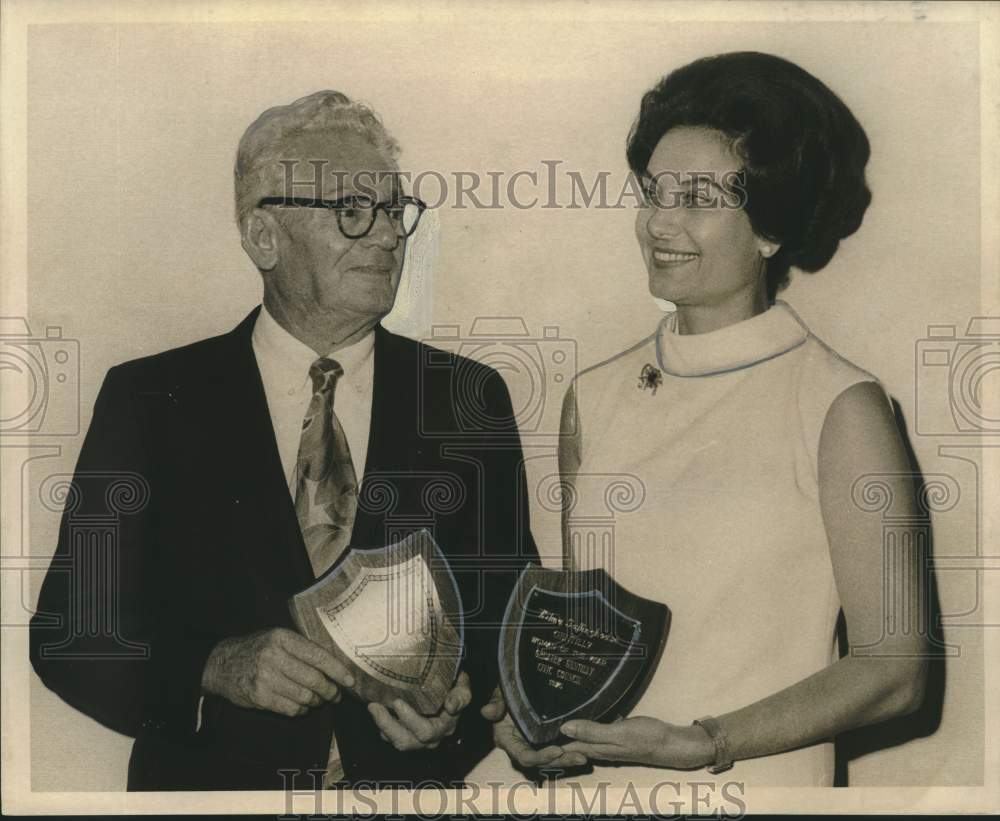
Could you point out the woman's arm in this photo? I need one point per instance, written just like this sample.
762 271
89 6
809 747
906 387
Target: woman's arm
886 678
884 675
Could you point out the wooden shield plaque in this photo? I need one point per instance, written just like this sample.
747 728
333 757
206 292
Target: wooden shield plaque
393 615
576 645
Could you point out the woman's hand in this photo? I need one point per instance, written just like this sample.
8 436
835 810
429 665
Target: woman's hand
641 740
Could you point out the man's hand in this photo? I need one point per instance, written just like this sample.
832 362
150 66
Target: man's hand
406 729
277 670
509 739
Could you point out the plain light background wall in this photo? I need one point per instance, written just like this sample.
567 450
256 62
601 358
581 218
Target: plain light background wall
132 249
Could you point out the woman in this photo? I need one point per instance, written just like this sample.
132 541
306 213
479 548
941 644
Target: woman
749 436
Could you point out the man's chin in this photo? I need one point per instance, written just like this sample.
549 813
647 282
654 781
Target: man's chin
375 307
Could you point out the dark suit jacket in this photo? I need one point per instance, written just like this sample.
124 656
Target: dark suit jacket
180 531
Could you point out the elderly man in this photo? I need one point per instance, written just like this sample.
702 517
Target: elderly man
252 452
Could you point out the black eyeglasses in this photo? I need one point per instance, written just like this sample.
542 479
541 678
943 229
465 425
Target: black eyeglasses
356 215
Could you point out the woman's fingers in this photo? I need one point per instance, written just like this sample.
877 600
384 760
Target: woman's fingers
587 750
567 760
591 731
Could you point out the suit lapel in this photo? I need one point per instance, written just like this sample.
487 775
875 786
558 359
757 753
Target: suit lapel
240 429
393 425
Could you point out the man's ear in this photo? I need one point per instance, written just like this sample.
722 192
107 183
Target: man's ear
260 239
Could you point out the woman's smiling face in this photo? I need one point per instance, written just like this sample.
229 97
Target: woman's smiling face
696 239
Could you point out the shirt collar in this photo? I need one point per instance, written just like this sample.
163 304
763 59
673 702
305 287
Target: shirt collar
731 348
288 359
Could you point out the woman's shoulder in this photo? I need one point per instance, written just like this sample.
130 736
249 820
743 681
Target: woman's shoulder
824 375
825 370
622 364
821 367
597 391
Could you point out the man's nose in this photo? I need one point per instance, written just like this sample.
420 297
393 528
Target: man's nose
383 233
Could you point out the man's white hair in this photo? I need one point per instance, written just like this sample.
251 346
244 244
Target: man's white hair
257 169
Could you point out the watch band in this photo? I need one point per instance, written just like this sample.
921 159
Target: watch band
723 755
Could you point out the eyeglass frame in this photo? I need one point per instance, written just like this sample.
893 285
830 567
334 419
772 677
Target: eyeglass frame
341 204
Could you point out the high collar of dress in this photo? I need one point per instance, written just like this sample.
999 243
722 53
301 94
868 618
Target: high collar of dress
740 345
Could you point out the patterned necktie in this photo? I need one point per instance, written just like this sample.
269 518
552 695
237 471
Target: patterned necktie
326 488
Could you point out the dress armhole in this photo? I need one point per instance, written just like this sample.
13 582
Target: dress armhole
570 459
820 385
570 429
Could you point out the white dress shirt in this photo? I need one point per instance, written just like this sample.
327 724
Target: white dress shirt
284 363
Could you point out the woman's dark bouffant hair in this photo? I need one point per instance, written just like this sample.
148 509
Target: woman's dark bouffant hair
802 151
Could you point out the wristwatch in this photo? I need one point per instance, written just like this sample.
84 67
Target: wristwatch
723 755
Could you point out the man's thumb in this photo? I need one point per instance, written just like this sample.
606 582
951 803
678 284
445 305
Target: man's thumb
495 708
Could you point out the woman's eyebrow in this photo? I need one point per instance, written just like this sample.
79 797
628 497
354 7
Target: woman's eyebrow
688 180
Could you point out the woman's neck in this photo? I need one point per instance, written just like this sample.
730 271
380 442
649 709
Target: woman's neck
701 319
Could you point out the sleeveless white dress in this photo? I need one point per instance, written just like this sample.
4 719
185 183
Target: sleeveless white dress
723 521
